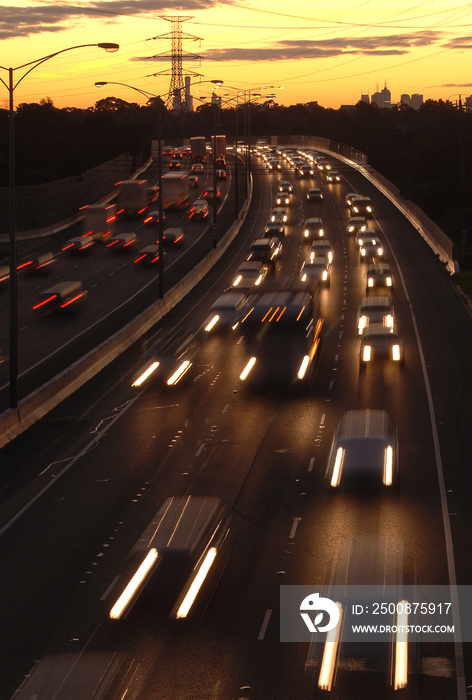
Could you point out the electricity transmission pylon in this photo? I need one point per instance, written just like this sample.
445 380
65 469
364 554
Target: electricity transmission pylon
176 98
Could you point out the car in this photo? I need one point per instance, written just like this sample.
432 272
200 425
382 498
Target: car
199 210
380 342
193 180
279 215
361 206
174 165
365 236
322 164
349 198
315 271
79 245
371 249
36 264
364 450
149 255
313 228
63 297
286 187
378 275
123 241
322 248
282 200
375 309
357 224
314 194
273 164
152 217
221 174
249 275
304 171
209 194
197 167
265 250
273 228
333 176
173 237
224 312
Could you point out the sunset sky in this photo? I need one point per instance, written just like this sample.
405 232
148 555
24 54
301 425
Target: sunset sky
331 52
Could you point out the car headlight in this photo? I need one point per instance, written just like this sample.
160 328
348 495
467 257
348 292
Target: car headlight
389 281
379 251
306 233
362 324
321 232
350 229
330 257
244 374
324 276
388 321
303 367
363 251
396 354
366 353
237 280
370 282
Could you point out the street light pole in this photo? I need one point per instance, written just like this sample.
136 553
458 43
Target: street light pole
11 86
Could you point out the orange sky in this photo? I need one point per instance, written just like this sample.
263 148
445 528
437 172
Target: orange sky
331 54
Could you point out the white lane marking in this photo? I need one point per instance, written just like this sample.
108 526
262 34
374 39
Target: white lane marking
200 450
93 443
458 651
310 466
331 384
110 587
225 408
294 528
265 624
323 418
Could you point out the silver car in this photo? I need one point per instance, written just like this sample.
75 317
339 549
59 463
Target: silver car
364 450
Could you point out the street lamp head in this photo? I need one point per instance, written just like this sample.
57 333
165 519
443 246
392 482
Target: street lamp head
111 48
218 83
100 83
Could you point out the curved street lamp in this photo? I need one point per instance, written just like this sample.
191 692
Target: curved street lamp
11 87
149 95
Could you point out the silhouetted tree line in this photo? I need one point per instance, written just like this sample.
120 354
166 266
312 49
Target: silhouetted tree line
427 152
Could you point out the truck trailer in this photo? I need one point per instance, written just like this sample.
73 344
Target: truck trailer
99 222
133 197
175 190
198 148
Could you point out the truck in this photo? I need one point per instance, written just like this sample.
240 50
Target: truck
133 197
99 222
175 190
198 148
218 144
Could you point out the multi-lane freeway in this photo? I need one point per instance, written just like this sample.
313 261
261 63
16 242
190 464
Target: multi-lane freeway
81 487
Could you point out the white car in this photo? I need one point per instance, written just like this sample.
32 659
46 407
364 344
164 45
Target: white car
224 311
357 224
322 248
364 450
250 275
313 228
380 342
279 215
375 310
314 272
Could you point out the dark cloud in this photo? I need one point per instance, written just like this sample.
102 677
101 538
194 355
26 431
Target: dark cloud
459 43
450 85
390 45
24 21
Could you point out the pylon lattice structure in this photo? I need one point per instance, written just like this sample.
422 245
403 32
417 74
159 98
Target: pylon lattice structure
176 98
